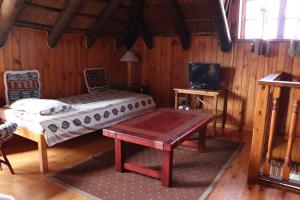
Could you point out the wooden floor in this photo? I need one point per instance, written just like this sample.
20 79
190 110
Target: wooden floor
28 183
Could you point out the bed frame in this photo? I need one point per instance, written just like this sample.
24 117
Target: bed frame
42 146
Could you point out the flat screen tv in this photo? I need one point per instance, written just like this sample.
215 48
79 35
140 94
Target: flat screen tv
204 75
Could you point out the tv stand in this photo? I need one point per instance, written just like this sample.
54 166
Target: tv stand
215 94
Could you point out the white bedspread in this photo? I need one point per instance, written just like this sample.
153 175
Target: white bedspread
89 112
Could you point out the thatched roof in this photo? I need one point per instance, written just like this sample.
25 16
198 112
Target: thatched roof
117 18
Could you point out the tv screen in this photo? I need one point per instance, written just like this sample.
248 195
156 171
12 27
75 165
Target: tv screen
204 76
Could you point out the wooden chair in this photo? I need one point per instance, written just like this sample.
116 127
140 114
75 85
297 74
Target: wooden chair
6 132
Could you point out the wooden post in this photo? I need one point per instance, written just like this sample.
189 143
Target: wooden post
8 13
258 131
43 158
267 164
287 160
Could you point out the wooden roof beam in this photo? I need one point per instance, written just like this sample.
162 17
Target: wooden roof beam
63 21
121 37
145 33
136 27
179 23
121 6
8 14
101 21
136 15
221 24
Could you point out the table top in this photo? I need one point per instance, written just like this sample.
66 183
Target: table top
161 129
200 91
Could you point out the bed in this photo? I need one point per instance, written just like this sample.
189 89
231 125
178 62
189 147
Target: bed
88 113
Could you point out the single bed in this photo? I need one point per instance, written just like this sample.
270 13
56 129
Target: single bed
89 112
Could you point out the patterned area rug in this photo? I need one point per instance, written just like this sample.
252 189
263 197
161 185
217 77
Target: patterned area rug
194 174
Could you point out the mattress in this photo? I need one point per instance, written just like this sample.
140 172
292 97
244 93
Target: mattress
89 112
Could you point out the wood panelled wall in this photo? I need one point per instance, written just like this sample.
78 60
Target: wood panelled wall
165 67
61 68
162 68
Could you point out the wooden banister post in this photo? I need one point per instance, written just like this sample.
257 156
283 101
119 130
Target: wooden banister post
276 96
287 160
258 131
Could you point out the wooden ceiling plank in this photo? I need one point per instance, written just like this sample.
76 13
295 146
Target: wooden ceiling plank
40 6
22 23
63 21
101 21
221 24
8 13
178 22
57 10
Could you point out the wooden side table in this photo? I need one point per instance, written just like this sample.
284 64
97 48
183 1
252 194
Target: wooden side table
207 93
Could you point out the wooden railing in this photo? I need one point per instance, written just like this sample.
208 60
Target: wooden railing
266 120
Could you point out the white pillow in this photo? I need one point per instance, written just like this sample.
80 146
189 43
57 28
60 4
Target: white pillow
40 106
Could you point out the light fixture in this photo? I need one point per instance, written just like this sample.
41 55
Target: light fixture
129 57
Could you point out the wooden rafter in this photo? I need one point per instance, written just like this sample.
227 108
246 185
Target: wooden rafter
136 14
63 21
221 24
101 21
178 22
136 27
145 33
121 6
8 13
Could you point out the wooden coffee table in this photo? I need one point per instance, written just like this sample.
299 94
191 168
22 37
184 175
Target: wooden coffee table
163 129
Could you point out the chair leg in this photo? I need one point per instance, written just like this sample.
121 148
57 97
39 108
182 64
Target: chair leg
7 162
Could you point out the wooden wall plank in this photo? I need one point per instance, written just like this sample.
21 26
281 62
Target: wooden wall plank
61 68
162 68
240 71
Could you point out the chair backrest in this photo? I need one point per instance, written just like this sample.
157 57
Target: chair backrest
21 84
95 79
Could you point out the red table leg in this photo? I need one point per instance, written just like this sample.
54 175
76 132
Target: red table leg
167 163
201 140
119 160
